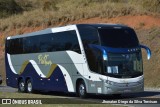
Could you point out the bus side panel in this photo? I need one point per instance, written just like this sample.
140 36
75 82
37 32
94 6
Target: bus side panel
55 82
11 78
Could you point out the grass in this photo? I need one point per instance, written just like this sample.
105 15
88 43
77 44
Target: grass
67 105
76 103
50 13
23 95
141 24
8 8
151 38
39 14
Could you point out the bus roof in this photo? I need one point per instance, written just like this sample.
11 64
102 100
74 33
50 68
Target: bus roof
106 25
49 30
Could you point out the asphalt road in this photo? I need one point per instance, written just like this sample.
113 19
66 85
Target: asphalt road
148 93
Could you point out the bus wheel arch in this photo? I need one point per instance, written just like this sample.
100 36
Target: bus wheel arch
81 89
21 85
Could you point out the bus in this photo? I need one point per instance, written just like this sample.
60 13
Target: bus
80 58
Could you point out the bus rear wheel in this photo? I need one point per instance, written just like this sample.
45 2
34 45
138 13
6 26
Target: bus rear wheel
82 90
29 86
21 86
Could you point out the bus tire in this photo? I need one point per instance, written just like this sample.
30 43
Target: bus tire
29 86
82 90
21 86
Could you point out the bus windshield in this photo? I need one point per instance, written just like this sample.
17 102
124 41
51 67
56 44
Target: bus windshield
118 38
118 65
124 65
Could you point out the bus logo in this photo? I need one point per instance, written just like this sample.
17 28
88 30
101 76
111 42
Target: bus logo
43 59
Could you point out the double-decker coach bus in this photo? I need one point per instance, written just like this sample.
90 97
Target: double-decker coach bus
81 58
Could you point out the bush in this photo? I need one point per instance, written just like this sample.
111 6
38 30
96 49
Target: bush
49 5
9 7
151 5
52 12
26 5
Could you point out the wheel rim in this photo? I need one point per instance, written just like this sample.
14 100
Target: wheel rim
81 89
21 86
29 87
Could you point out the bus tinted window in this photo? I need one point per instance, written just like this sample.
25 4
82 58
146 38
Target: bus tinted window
66 41
89 35
118 38
15 46
46 43
30 45
60 41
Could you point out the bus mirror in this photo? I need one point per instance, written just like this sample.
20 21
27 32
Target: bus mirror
147 50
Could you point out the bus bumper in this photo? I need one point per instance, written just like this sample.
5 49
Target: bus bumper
121 88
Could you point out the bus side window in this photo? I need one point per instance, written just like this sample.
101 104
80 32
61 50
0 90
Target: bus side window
8 46
31 44
67 40
12 50
61 41
15 46
89 35
45 42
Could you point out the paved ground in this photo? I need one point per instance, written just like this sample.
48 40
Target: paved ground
148 93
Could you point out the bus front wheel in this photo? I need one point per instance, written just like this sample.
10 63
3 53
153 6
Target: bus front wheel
21 86
82 90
